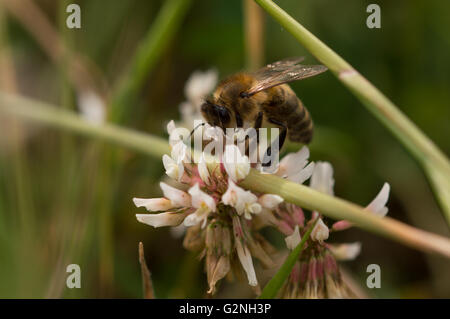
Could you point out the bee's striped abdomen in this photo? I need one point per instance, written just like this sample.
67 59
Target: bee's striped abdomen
300 125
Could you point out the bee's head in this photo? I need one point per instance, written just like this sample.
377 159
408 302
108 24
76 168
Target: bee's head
216 114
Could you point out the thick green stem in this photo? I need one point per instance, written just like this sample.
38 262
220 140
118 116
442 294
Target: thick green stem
423 149
294 193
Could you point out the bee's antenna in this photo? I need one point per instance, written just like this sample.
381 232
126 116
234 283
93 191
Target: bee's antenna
195 128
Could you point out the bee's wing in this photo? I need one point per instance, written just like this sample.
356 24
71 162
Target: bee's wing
284 62
280 72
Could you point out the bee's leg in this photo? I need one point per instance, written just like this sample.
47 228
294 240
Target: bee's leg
282 139
256 126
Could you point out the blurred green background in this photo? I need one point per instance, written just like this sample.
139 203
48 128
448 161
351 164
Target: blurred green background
63 202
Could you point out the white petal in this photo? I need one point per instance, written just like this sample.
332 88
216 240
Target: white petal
292 163
176 196
213 133
201 199
294 239
270 201
320 231
303 174
203 170
231 196
346 251
200 215
236 165
180 153
173 169
322 178
171 127
92 107
161 219
378 205
253 208
200 84
246 261
153 204
245 202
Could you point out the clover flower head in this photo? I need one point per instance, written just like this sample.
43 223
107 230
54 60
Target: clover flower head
222 220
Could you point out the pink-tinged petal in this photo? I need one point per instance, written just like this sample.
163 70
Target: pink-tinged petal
270 201
161 219
341 225
294 239
201 199
378 205
297 214
346 251
176 196
153 204
322 178
284 227
320 231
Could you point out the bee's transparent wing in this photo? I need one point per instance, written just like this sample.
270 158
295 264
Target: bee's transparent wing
280 72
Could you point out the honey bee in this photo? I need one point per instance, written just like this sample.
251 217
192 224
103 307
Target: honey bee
249 99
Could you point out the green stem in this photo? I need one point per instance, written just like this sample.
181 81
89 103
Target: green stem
265 183
274 285
151 48
423 149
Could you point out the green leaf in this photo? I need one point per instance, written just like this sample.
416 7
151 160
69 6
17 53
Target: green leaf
274 285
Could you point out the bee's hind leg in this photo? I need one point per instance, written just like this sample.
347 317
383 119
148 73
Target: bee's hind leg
267 161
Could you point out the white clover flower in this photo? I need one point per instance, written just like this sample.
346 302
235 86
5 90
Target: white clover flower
173 198
92 107
322 178
199 85
245 202
320 231
294 166
294 239
270 201
236 165
204 204
162 219
174 169
345 251
378 205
